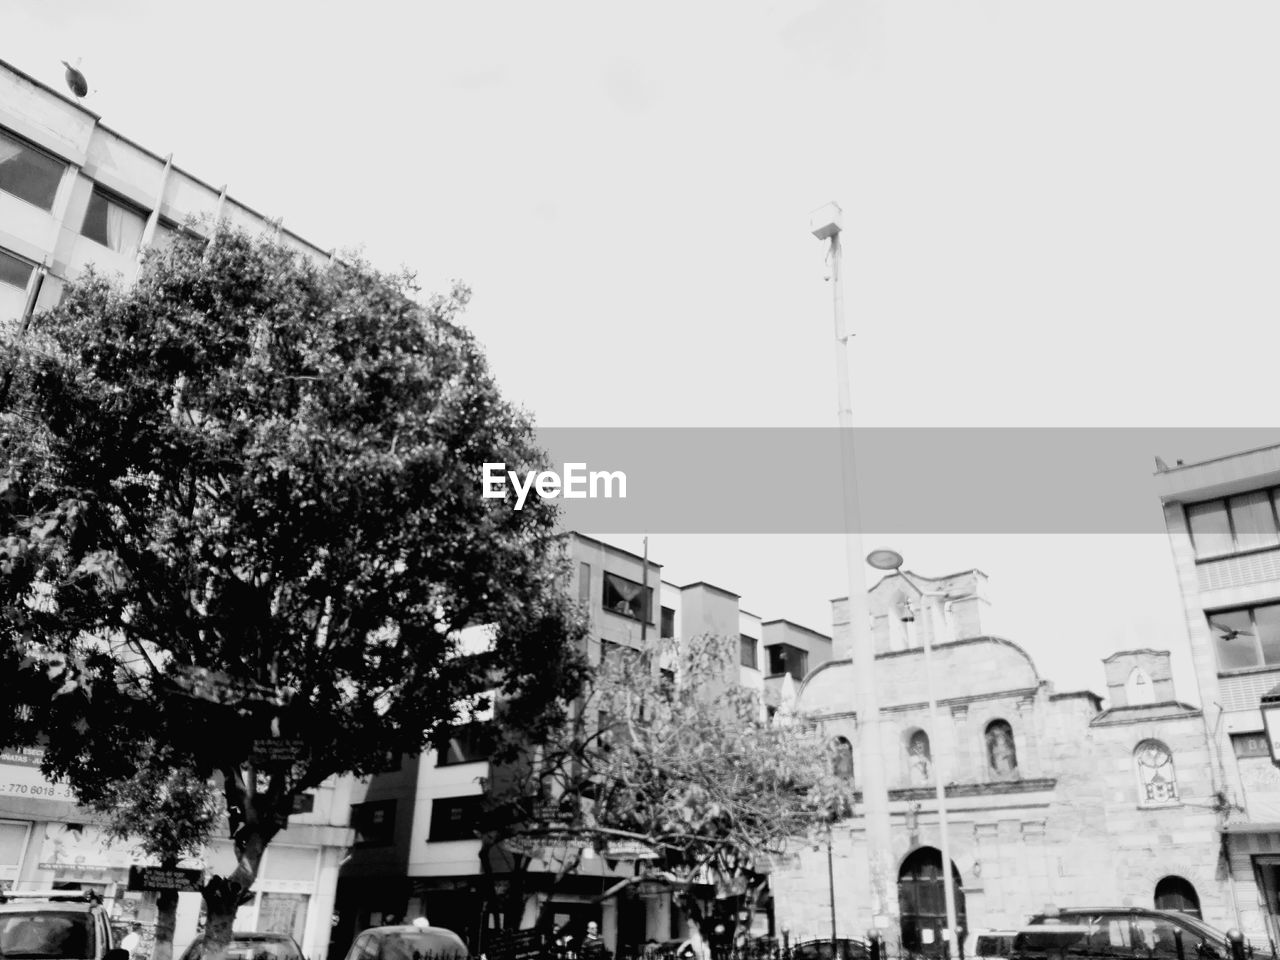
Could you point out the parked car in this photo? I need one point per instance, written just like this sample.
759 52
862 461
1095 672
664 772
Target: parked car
1117 931
408 941
55 925
251 945
823 950
989 944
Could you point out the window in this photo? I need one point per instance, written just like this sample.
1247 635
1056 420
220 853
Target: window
622 596
116 226
1156 780
747 656
842 758
374 823
304 802
1250 744
1002 756
465 743
786 659
668 623
28 173
454 818
15 273
281 913
1246 638
616 656
584 583
14 270
1176 893
1234 524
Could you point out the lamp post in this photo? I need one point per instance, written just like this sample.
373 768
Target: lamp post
825 224
892 560
1271 722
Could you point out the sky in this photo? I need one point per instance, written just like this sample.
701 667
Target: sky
1056 214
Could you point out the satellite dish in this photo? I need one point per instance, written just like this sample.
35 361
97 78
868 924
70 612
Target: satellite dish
75 80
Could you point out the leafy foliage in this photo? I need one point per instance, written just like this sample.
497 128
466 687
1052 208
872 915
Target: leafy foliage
241 529
670 751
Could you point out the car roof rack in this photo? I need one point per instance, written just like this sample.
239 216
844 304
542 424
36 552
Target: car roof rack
62 896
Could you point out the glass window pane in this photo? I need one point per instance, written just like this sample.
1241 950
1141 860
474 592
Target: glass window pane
1266 621
28 174
1255 525
1210 531
14 270
13 837
112 224
1234 639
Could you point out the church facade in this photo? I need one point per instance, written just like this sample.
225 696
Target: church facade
1051 800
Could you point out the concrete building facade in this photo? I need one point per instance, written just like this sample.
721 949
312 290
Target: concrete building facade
1221 519
73 193
1050 798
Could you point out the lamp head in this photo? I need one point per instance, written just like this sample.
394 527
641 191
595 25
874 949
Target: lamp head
885 559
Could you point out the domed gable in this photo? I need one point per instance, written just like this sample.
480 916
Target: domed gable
982 665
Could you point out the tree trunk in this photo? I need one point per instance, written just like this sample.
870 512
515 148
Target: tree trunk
223 896
166 918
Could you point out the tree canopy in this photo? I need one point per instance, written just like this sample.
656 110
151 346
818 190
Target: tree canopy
671 758
241 529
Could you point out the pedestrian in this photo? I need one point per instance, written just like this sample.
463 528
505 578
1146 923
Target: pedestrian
131 940
592 947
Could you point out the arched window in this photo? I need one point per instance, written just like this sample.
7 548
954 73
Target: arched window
1157 782
1139 688
842 758
1002 755
919 758
1175 893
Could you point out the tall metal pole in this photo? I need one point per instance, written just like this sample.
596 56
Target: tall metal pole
875 793
951 935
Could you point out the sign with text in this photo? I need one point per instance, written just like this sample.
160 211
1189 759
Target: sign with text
516 945
278 752
162 878
20 776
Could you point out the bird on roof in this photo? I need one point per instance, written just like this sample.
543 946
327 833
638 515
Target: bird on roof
75 80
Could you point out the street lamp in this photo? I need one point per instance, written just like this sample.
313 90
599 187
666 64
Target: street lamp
892 560
1271 722
825 224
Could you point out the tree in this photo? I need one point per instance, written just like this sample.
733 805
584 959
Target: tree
678 764
241 529
171 813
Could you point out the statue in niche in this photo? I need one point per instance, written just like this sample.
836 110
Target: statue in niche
842 759
1002 756
919 757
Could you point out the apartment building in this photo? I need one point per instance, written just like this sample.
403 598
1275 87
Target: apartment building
417 852
73 193
1223 530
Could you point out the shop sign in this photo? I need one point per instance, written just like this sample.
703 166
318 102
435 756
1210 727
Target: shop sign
20 776
163 878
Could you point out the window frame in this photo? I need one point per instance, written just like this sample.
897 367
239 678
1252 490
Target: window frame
743 641
109 197
1260 662
1273 495
1144 800
21 141
365 837
6 253
646 599
437 829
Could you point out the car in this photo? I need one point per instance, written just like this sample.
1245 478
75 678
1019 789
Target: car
822 950
252 945
409 941
1113 931
989 944
55 925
